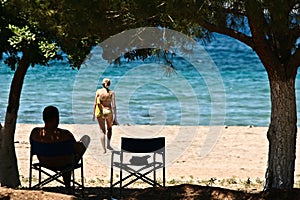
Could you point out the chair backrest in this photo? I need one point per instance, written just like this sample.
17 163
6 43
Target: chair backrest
52 149
142 145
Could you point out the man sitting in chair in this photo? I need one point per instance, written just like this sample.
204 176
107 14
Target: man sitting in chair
50 133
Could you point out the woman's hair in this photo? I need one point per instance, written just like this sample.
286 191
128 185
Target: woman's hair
106 83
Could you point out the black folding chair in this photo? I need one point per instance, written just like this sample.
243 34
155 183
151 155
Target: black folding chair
138 167
65 148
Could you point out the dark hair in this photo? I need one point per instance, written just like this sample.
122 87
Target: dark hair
50 113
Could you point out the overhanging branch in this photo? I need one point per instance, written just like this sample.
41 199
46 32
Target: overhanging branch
227 31
295 61
259 27
295 32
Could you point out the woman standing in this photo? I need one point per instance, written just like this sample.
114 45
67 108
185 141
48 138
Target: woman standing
105 111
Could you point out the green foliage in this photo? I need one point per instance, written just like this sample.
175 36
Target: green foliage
77 26
49 50
3 2
212 181
39 29
172 181
232 180
34 45
22 37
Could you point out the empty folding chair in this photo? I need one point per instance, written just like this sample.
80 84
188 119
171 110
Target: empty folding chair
139 159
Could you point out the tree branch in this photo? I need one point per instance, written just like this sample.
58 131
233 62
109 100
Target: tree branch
295 32
295 61
258 26
226 31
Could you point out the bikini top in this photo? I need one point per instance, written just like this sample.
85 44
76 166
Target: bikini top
104 98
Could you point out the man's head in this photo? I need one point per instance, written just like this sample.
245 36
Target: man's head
51 115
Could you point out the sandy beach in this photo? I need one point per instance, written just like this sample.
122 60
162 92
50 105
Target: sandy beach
194 153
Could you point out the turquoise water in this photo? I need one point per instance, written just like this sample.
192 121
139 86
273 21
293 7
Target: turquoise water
233 90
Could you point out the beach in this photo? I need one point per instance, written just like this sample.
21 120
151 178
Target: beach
237 153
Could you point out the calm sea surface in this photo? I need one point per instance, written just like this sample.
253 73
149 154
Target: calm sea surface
225 84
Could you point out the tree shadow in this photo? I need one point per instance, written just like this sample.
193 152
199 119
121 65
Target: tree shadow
183 191
96 193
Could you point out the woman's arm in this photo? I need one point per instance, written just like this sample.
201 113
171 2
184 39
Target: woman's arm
95 103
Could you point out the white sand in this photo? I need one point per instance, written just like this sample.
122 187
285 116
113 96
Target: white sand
192 152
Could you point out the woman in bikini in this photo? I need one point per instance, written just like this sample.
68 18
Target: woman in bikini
105 111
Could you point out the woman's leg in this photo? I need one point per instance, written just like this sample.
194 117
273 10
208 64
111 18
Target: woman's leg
109 121
102 132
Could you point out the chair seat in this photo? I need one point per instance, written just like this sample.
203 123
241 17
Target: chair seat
37 165
129 166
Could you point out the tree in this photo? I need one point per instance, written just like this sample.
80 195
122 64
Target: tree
272 30
17 36
25 43
35 32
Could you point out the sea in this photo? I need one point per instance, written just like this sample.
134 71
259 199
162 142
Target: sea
220 83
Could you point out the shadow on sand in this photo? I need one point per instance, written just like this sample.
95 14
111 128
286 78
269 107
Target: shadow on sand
184 191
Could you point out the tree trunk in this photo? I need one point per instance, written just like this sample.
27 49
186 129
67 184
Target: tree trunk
9 173
282 130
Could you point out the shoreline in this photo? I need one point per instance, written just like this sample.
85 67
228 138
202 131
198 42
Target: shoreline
233 153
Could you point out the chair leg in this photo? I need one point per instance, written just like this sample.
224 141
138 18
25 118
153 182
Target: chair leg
111 180
120 182
73 177
82 180
164 170
121 170
30 176
40 174
154 171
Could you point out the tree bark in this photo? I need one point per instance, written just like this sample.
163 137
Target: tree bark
282 129
9 173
